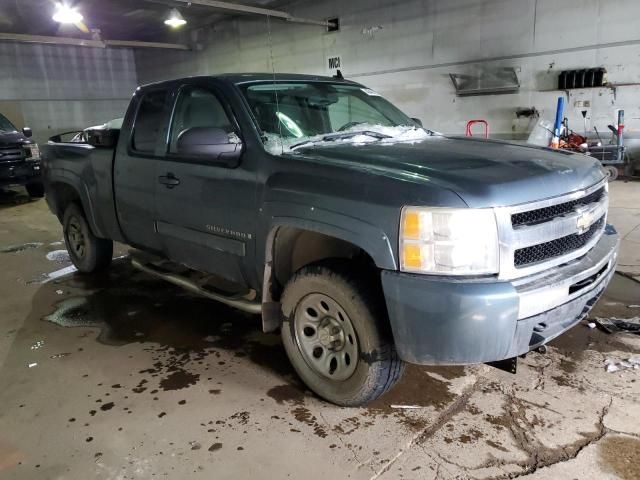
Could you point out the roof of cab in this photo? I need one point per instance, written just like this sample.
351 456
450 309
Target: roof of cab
240 78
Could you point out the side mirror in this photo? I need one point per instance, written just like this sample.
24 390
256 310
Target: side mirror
210 143
418 121
27 132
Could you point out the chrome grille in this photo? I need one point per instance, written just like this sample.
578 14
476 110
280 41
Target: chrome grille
541 215
540 235
555 248
11 154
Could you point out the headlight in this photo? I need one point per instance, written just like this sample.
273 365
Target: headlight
32 152
449 241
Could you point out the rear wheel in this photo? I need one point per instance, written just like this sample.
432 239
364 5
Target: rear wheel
87 252
35 190
336 334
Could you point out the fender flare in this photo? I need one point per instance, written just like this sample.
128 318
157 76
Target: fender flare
370 238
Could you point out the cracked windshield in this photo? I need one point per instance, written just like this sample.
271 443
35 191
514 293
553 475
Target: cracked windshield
310 114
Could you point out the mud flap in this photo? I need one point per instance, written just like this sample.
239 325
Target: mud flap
508 364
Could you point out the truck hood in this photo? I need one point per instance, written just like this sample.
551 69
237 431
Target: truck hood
10 139
484 173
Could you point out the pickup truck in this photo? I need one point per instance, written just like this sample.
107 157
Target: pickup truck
367 240
19 159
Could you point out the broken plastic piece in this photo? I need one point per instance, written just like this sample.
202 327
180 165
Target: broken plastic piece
34 364
615 325
591 325
406 407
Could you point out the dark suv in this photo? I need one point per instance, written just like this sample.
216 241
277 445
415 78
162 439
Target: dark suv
19 159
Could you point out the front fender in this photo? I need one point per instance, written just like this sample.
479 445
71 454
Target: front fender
370 238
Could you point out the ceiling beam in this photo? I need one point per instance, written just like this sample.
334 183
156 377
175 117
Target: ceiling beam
81 42
247 9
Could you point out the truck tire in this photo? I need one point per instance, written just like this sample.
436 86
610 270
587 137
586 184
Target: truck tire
87 252
35 190
336 334
612 172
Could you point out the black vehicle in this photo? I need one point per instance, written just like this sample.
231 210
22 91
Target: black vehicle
367 240
19 159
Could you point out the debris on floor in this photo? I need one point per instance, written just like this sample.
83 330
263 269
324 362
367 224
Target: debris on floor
615 325
614 366
34 364
60 355
20 248
591 325
59 256
37 345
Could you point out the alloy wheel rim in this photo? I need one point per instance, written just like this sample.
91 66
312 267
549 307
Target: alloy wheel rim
325 336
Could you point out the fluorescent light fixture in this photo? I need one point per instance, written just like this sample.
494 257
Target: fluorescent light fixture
66 14
175 19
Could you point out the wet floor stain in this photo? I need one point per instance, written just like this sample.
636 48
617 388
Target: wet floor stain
621 456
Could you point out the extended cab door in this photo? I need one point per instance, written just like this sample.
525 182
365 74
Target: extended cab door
135 177
206 203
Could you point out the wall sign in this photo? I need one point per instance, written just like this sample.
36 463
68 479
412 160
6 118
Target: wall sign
334 63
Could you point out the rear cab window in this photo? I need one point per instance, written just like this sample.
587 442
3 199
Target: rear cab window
149 122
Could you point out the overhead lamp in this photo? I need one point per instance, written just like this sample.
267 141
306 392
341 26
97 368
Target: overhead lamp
175 19
66 14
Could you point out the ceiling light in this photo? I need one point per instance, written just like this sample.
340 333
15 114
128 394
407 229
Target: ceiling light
66 14
175 19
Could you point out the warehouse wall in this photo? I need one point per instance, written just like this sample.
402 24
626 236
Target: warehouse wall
54 89
419 43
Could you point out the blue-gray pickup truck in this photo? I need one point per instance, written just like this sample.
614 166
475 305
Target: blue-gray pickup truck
366 239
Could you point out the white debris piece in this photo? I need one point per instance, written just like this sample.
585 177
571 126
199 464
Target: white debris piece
591 325
60 273
37 345
59 256
613 365
406 407
59 292
633 306
55 244
34 364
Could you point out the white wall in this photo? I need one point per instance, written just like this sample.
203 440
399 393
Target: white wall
62 88
421 42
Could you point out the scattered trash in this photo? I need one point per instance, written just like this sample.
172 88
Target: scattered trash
60 355
60 256
34 364
615 325
591 325
614 366
37 345
59 292
406 407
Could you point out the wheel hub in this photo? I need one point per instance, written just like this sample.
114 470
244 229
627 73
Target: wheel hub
331 334
325 336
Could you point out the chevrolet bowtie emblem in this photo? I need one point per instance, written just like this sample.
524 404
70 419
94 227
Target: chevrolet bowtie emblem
584 220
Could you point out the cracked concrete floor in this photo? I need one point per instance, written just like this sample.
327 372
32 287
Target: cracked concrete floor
133 378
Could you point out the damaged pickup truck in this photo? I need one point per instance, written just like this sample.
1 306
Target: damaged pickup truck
367 240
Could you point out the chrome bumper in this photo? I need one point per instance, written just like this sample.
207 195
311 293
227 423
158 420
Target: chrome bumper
550 289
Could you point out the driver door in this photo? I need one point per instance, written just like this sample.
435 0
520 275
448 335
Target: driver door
205 208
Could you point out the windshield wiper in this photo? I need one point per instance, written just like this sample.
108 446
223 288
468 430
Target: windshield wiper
341 136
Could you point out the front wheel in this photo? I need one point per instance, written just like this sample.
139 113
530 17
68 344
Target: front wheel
336 334
87 252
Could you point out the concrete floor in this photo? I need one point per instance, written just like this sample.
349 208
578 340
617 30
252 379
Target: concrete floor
123 376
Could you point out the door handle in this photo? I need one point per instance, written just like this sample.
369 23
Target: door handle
169 180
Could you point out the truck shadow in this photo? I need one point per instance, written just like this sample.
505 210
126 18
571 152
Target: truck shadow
13 197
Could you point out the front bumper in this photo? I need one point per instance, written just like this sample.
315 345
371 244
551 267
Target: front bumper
450 321
20 173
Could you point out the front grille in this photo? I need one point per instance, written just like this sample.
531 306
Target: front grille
11 154
541 215
555 248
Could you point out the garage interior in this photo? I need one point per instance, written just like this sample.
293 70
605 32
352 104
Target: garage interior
124 376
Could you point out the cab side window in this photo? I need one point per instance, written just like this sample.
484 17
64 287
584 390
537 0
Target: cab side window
197 107
149 121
